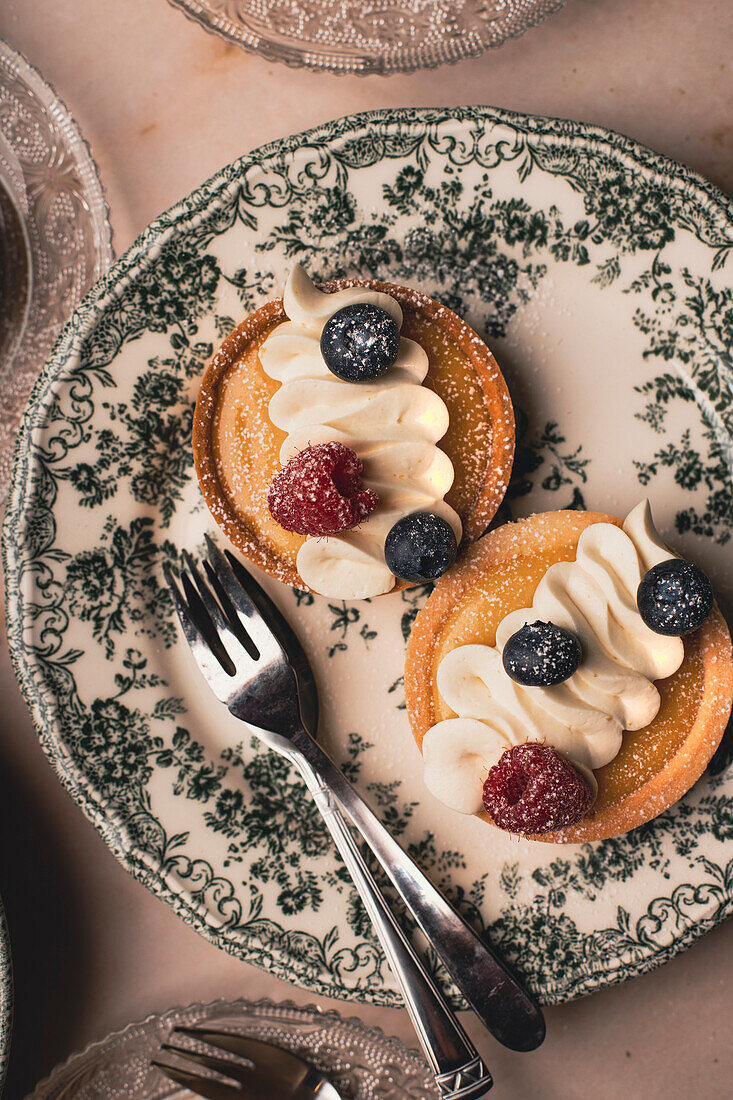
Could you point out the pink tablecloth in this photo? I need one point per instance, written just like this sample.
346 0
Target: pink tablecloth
164 105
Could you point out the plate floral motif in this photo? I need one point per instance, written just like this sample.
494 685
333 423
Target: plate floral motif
598 271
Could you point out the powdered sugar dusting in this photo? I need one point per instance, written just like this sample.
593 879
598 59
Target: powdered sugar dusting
657 763
392 423
320 492
235 469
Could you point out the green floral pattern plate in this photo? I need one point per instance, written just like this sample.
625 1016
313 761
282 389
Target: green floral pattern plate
599 272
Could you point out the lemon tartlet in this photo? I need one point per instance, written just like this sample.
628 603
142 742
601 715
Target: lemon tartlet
642 770
239 449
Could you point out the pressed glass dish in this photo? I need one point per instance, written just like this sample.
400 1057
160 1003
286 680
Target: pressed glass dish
360 1061
354 36
63 219
16 263
6 997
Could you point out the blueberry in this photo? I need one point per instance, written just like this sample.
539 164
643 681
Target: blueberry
541 654
420 547
360 342
674 597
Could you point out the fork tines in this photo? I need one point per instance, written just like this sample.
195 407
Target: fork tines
218 610
265 1070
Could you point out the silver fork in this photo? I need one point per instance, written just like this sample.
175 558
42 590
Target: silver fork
458 1070
248 669
271 1073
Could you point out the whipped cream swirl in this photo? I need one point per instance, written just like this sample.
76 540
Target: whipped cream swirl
393 425
585 716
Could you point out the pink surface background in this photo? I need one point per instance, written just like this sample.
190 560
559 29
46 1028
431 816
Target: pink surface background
163 106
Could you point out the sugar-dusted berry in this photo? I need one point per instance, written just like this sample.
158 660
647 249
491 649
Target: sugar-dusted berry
420 547
534 789
360 342
320 492
675 597
541 655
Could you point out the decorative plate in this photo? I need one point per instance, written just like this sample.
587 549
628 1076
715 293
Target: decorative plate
66 221
360 1061
6 997
597 270
390 36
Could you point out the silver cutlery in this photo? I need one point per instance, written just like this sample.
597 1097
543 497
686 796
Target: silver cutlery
459 1072
268 1073
232 627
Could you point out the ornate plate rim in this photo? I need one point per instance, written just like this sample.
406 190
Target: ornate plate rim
6 997
71 129
207 1008
98 212
586 978
393 62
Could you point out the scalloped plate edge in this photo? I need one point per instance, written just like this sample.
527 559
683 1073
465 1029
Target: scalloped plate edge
592 978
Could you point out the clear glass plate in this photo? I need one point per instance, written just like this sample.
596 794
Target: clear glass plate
6 997
16 262
360 1061
66 221
376 36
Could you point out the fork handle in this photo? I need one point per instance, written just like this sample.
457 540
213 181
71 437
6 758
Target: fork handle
458 1069
490 988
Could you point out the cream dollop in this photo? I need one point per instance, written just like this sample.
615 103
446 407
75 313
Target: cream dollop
584 717
393 424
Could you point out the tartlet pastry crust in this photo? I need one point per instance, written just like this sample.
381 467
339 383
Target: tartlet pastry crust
232 431
657 764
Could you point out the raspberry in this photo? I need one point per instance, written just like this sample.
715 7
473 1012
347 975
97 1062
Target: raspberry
320 492
534 789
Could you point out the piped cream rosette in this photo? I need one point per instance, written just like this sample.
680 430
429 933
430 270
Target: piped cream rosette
393 425
584 717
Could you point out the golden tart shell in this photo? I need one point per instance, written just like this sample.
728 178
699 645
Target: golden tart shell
236 446
657 764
